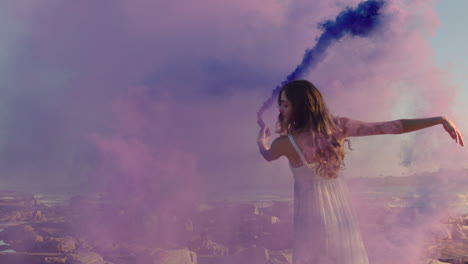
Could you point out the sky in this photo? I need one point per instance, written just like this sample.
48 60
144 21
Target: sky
161 93
448 44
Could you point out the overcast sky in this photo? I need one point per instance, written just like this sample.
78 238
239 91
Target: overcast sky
449 44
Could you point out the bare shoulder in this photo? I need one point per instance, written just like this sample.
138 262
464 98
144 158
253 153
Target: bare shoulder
280 143
341 121
281 140
342 125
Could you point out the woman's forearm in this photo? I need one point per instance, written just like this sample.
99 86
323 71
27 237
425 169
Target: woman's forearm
410 125
264 150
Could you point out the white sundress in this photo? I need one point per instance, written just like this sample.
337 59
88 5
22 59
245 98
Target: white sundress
326 230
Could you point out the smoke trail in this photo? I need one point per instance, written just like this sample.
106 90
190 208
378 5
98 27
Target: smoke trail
360 21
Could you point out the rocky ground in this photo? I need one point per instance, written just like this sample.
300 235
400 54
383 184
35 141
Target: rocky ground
93 230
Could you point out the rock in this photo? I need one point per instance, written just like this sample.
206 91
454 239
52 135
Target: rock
464 228
4 247
280 209
85 258
19 199
48 245
28 228
37 216
207 259
168 229
277 236
39 238
451 250
458 233
66 245
26 258
173 256
231 212
278 261
105 246
50 232
280 257
16 214
24 238
21 237
56 260
449 261
83 244
208 247
433 261
188 225
215 249
262 206
250 230
252 255
202 207
246 209
274 220
465 220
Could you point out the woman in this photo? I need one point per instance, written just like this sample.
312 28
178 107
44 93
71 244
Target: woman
325 227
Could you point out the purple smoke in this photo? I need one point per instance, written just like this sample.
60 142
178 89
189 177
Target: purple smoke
360 21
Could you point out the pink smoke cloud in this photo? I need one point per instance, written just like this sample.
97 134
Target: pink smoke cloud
166 94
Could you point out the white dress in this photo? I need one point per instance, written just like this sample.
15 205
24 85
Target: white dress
325 227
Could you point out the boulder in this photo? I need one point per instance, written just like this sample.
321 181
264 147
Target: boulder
274 220
19 199
26 258
167 229
457 233
37 216
280 209
465 220
172 256
280 257
452 250
48 245
433 261
83 244
277 236
66 245
208 247
252 255
50 231
286 255
450 261
85 258
28 214
21 237
55 260
249 231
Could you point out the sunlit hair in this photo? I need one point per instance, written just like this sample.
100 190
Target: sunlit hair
309 114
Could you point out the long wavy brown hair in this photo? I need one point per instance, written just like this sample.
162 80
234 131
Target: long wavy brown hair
310 115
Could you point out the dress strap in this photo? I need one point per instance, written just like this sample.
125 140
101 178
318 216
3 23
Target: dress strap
293 143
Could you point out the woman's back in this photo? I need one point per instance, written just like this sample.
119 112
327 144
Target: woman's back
325 228
309 143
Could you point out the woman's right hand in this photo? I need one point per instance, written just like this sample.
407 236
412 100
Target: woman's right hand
264 133
453 131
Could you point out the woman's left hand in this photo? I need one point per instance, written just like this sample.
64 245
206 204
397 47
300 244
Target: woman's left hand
453 131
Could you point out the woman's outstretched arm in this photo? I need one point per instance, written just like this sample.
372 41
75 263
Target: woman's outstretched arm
355 128
410 125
